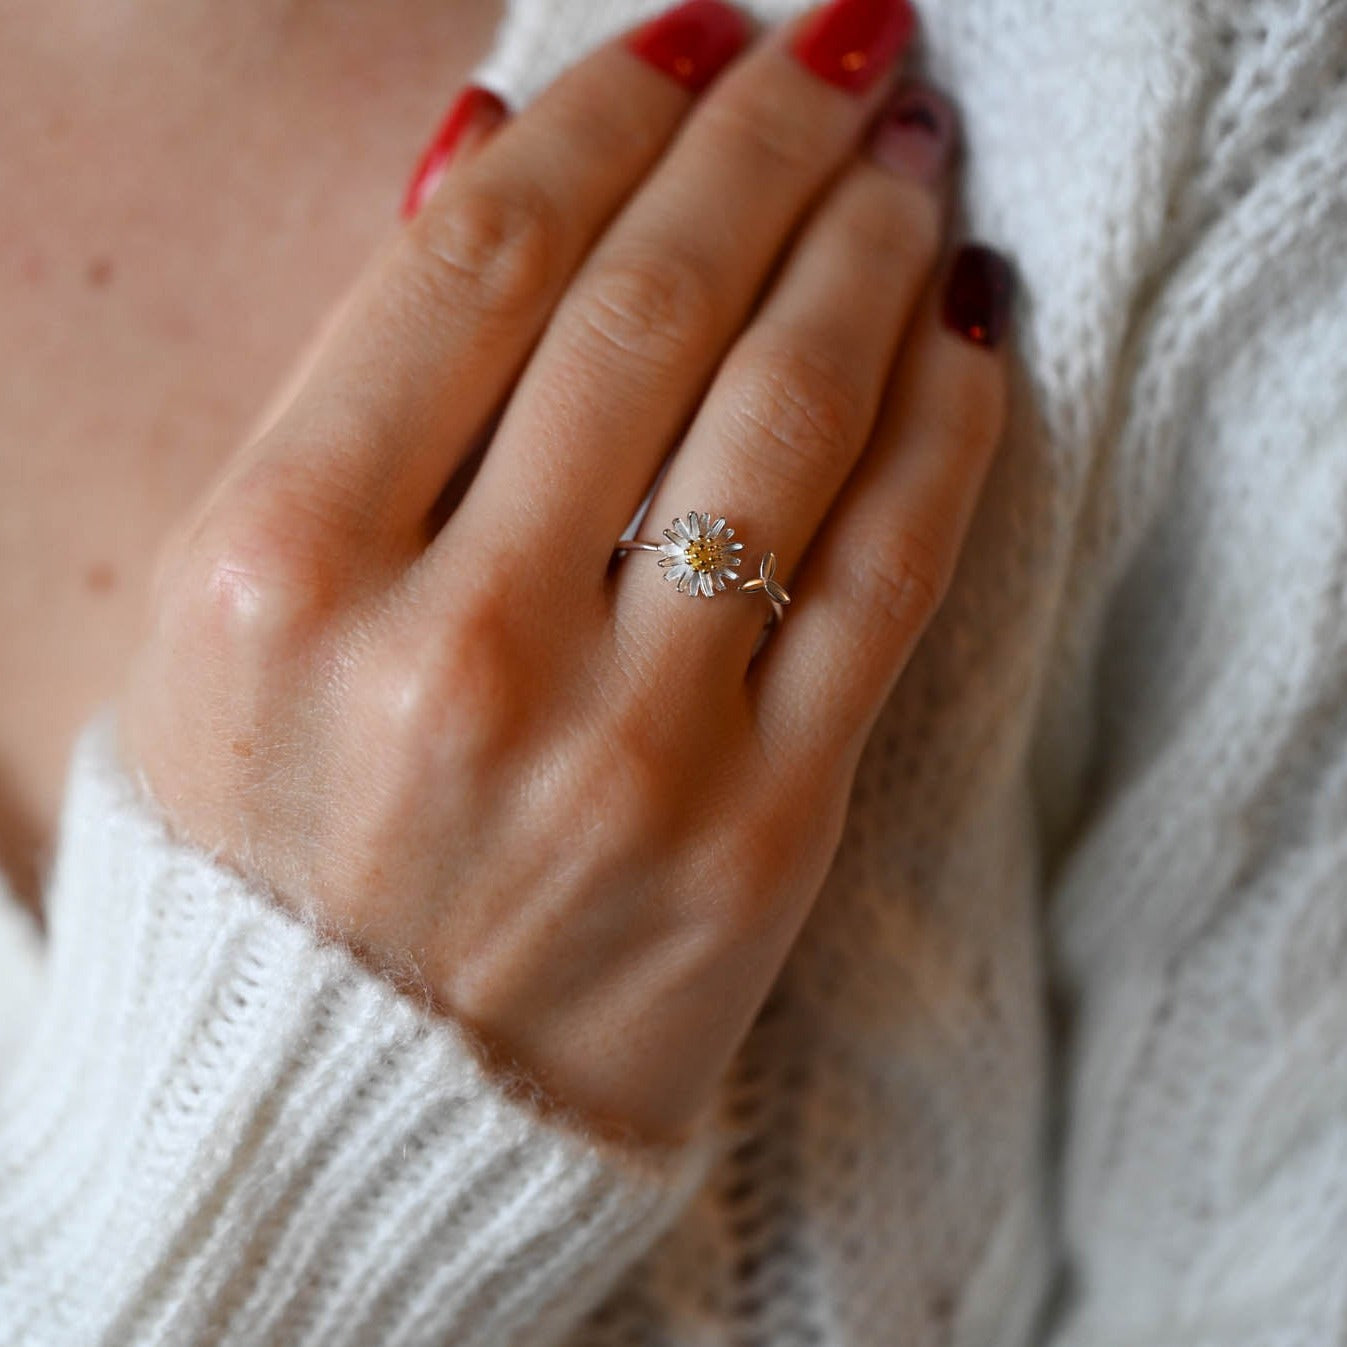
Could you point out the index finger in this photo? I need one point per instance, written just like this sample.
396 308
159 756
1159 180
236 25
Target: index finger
434 332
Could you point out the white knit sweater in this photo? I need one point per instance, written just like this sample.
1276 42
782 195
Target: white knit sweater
1060 1056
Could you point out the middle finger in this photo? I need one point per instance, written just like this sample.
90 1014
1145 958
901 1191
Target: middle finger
793 404
631 347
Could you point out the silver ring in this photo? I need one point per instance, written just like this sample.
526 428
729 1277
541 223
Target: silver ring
700 557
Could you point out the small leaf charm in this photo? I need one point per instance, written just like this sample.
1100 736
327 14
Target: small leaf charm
766 581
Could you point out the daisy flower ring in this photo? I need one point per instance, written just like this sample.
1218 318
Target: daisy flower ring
701 556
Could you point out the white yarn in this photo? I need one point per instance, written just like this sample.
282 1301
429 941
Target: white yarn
20 974
1061 1054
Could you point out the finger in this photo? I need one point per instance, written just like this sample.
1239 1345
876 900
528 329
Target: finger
476 113
435 329
882 562
794 404
631 347
469 123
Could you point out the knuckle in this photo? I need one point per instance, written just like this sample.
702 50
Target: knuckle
906 582
248 578
250 590
763 851
764 847
797 412
754 906
454 698
596 129
497 244
970 413
651 787
653 306
643 809
895 230
771 139
640 790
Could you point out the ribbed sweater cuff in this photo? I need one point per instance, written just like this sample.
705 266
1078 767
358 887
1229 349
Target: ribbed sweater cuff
224 1131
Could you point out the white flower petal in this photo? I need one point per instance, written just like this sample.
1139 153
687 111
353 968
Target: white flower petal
715 529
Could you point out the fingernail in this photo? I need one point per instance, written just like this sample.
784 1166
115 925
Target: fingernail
978 294
851 43
916 134
474 109
692 43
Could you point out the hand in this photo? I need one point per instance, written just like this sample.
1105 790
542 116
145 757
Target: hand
533 780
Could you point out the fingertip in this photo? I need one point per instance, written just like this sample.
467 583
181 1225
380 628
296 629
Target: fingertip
854 44
475 114
979 295
917 134
692 42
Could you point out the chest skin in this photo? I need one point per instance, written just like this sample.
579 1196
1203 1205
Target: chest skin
186 189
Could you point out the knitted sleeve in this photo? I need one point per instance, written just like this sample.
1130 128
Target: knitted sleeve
1200 910
221 1132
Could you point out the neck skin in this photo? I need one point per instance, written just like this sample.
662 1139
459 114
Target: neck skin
370 32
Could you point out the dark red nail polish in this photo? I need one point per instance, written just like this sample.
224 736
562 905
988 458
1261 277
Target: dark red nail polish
916 134
475 108
692 43
978 294
851 43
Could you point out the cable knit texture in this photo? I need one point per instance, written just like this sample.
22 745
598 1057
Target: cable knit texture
1061 1054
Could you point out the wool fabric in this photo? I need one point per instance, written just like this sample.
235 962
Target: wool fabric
1060 1056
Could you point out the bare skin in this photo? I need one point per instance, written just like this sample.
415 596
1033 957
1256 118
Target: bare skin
368 705
185 193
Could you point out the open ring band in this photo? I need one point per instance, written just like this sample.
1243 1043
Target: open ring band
700 556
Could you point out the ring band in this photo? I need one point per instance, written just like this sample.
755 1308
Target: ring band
700 556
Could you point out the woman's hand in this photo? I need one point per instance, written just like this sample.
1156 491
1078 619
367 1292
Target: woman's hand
538 781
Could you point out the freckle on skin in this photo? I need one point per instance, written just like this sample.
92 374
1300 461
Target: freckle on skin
241 748
177 326
100 578
99 272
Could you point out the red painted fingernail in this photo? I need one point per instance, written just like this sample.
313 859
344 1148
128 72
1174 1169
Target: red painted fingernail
692 43
916 134
474 109
978 294
851 43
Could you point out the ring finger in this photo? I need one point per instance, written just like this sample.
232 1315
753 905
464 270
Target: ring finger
632 346
794 402
880 565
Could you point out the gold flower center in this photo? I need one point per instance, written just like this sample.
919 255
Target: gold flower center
704 554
